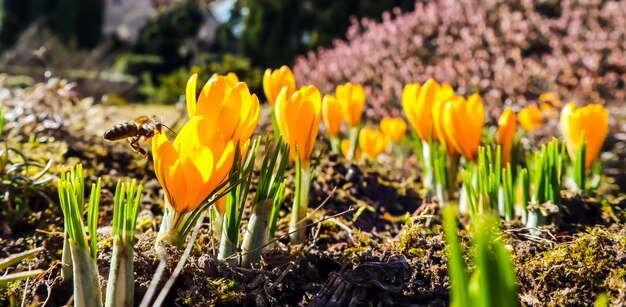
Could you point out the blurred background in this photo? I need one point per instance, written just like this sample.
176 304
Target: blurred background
145 50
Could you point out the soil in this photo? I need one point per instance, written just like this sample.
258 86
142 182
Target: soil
375 240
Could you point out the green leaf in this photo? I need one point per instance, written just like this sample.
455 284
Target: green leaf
457 269
579 165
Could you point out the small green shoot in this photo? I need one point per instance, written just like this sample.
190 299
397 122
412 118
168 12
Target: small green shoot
83 250
121 283
267 200
241 177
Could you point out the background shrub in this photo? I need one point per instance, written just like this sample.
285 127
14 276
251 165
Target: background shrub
507 51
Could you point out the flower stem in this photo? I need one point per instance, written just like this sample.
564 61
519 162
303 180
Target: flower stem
354 139
297 231
429 174
335 144
275 125
257 232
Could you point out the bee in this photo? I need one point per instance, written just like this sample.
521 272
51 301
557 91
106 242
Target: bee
141 127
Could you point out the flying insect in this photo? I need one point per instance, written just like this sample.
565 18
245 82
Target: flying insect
141 127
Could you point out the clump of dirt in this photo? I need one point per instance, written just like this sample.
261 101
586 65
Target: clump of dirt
374 192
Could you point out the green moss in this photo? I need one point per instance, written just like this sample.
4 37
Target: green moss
224 290
105 243
577 271
411 230
188 301
363 244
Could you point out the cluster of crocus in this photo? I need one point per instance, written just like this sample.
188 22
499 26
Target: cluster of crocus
196 165
372 142
347 105
352 99
442 119
533 116
393 128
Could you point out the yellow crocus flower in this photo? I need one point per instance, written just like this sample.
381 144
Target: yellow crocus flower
592 121
231 78
463 122
530 118
445 92
298 117
417 101
331 115
372 142
192 167
550 98
438 126
351 96
393 128
345 149
229 109
274 81
506 133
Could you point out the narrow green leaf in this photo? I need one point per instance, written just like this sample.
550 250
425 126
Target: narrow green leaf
457 269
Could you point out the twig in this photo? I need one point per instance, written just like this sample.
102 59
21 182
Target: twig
346 228
179 267
280 278
26 288
147 298
534 237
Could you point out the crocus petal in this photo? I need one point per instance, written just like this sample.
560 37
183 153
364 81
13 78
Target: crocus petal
212 98
566 114
275 81
191 96
198 170
168 171
590 121
506 133
345 148
418 102
352 99
409 97
530 118
187 138
331 114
